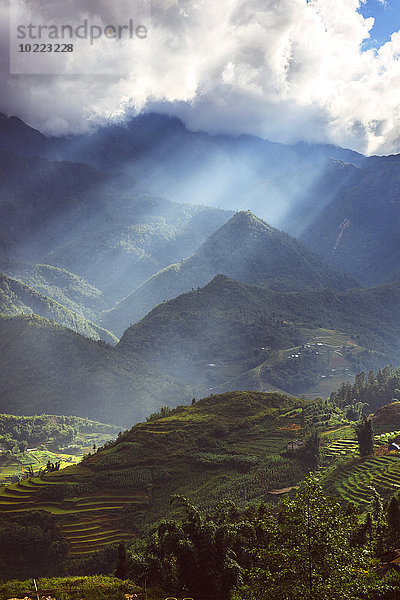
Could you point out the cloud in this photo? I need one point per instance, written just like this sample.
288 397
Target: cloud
287 70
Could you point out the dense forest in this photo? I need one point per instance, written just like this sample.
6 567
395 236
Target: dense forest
310 548
374 389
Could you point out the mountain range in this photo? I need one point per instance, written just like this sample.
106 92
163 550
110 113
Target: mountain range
246 249
18 298
212 335
168 160
99 226
358 231
98 230
46 367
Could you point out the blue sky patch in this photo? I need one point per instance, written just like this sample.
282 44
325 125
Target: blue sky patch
387 21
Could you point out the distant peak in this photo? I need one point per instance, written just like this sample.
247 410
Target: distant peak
218 280
247 219
244 214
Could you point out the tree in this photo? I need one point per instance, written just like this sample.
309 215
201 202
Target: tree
354 412
307 553
23 445
312 448
122 562
393 523
193 556
365 436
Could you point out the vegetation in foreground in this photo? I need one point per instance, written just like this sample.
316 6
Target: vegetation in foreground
310 548
96 587
253 448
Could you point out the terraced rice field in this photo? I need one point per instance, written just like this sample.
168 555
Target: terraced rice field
88 523
340 447
353 483
91 535
343 446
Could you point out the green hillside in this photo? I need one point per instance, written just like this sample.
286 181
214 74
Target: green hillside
222 446
352 478
237 446
17 298
100 226
68 289
27 444
212 335
52 430
148 235
47 368
246 249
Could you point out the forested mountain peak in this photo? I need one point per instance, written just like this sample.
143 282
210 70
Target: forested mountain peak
246 249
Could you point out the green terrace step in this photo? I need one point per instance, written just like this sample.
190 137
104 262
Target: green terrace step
9 493
101 537
351 483
12 507
394 477
385 482
85 535
95 546
98 536
14 499
26 486
358 494
82 527
82 523
353 496
88 535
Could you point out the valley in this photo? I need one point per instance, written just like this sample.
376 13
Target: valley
231 369
31 446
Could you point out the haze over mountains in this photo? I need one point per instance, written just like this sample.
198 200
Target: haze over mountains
18 298
96 225
230 323
170 161
46 367
246 249
98 230
358 231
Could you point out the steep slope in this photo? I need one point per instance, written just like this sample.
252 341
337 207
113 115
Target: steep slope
17 298
72 291
305 193
210 336
20 139
246 249
46 368
222 446
358 231
43 203
96 225
120 257
171 161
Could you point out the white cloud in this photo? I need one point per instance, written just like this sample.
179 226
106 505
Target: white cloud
286 70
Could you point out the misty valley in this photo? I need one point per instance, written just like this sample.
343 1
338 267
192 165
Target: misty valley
199 366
